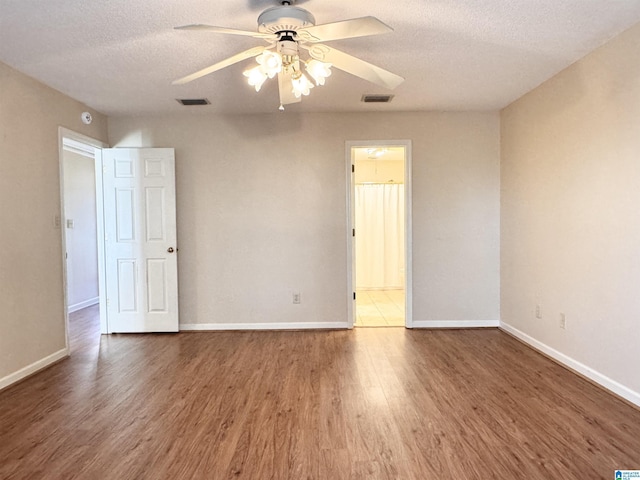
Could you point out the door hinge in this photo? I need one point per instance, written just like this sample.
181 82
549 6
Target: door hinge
354 295
353 169
353 232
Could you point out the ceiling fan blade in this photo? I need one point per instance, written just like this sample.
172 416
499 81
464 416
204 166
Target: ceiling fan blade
230 31
252 52
286 90
356 27
355 66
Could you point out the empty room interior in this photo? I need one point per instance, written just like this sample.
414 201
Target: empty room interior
349 240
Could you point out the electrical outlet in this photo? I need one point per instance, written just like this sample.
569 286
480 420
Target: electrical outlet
563 321
296 298
538 311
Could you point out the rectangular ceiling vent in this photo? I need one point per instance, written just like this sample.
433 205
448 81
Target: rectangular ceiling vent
189 102
377 98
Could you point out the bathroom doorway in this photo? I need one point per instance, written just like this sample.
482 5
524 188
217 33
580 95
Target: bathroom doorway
380 234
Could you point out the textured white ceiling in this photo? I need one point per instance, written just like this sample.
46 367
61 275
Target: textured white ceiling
120 56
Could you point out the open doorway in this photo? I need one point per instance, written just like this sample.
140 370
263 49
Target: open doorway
380 246
82 225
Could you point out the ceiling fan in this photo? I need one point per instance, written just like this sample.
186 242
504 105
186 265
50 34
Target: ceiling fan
294 41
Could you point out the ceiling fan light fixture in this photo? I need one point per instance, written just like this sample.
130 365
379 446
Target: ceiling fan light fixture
301 85
256 77
290 31
318 70
271 63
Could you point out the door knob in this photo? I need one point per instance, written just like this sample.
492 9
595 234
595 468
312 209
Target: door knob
170 249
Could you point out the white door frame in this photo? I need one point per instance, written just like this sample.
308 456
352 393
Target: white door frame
408 272
70 139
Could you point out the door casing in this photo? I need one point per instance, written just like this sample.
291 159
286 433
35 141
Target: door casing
350 184
77 140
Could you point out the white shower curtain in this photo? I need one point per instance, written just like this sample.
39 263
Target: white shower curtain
379 212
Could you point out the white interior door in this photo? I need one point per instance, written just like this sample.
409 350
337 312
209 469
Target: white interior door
140 240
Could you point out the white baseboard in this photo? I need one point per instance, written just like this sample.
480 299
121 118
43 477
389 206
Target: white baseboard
213 327
456 323
572 364
81 305
33 368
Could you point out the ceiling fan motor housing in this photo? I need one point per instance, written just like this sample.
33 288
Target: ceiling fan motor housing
284 18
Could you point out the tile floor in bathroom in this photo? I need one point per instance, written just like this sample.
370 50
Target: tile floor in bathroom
379 308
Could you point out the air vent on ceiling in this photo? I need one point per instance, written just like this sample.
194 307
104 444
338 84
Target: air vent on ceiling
377 98
189 102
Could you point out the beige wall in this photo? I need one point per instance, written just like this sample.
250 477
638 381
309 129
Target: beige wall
570 214
262 211
31 290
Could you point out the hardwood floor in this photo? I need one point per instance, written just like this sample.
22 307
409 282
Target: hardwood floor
368 403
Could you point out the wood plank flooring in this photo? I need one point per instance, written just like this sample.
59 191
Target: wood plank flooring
368 403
